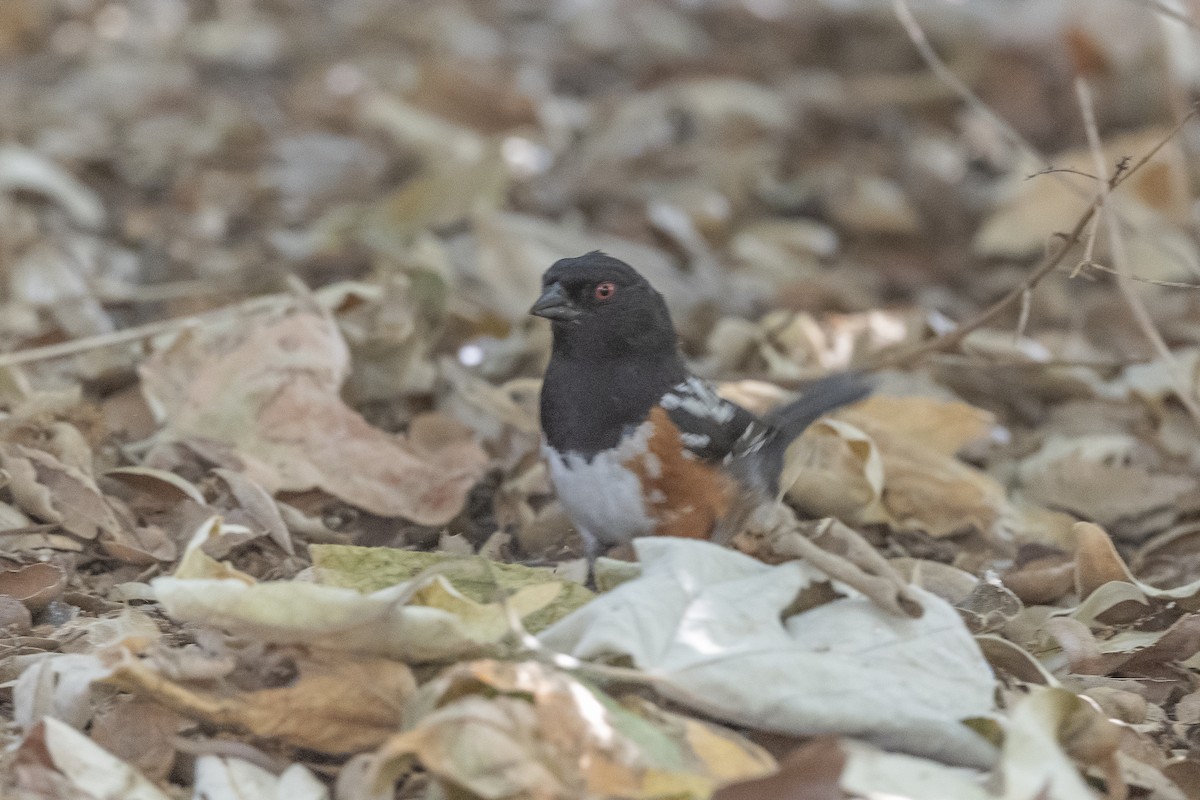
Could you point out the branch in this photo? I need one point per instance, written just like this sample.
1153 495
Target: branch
952 339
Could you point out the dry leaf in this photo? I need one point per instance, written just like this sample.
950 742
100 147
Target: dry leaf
271 391
1101 570
426 620
47 489
139 732
715 628
334 706
503 729
1092 478
810 772
946 427
88 769
1047 731
235 779
35 585
254 502
874 475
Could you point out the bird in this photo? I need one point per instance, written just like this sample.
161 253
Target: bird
637 445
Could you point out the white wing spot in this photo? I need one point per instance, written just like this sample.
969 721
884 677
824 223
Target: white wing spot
695 440
698 399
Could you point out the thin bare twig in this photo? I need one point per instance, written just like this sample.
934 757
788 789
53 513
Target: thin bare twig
939 68
952 339
1050 262
135 334
1116 243
162 292
1101 268
961 361
1062 171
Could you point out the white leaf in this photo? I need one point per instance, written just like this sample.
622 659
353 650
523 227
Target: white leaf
92 770
707 623
235 779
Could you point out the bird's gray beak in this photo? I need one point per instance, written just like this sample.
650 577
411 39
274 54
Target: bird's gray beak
554 304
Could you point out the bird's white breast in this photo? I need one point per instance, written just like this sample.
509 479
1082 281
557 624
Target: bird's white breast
602 496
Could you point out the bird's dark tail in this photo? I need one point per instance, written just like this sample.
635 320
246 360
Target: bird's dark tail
820 397
789 420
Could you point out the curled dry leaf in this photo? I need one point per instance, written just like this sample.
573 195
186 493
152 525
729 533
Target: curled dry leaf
944 426
49 490
35 585
1097 561
524 729
812 771
89 770
270 390
1047 733
334 706
1100 570
421 620
836 470
26 170
236 779
139 732
1041 579
256 504
166 485
370 569
1012 659
871 475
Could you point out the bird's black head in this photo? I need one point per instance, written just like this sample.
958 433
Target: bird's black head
601 307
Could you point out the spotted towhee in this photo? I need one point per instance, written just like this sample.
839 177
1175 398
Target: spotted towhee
636 445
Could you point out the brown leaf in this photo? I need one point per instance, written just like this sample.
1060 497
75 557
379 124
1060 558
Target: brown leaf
1097 561
505 729
139 732
1080 646
255 503
334 706
35 585
1178 643
271 391
1128 499
874 474
55 492
1042 579
810 772
945 427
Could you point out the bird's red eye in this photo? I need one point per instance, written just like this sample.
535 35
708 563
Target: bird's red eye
605 291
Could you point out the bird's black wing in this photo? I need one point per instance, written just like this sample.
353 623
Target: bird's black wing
710 426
